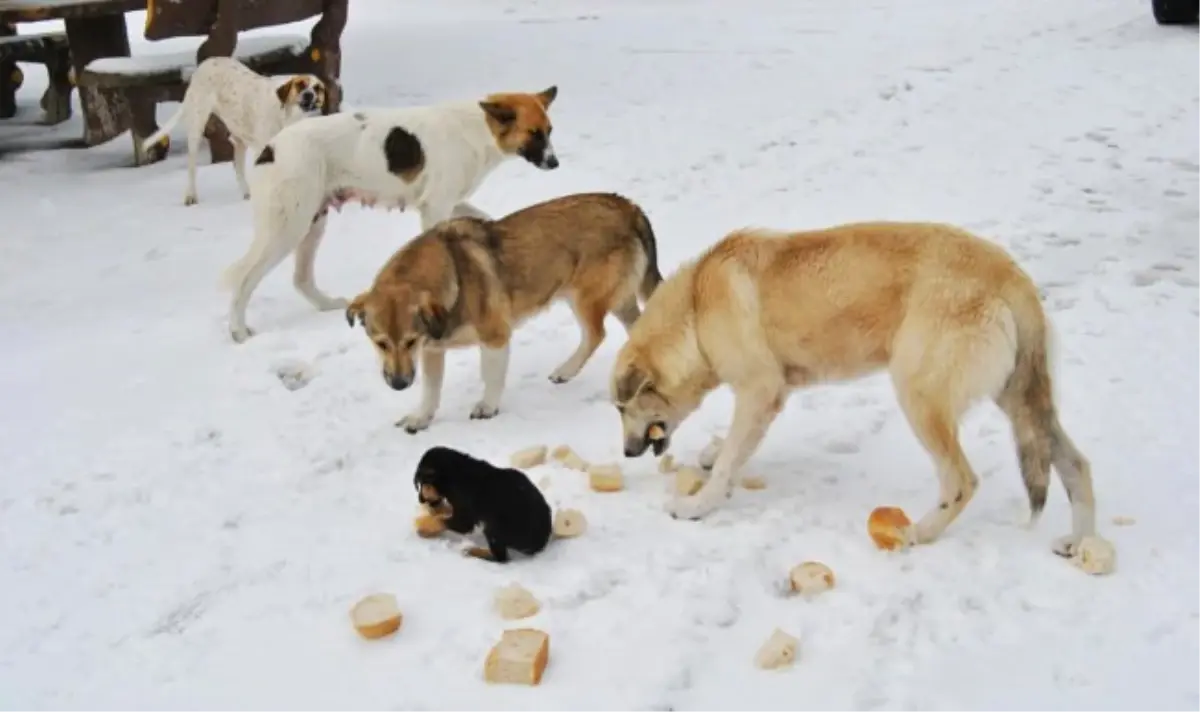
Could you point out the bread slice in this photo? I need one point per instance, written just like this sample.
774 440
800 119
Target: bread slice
519 658
376 616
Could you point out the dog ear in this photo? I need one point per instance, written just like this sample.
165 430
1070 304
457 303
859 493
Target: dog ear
430 317
286 91
632 382
356 310
547 96
502 113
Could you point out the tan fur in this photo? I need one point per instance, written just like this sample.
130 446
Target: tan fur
951 317
470 282
289 91
515 118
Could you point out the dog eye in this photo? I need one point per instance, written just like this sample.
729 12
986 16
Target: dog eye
383 345
410 342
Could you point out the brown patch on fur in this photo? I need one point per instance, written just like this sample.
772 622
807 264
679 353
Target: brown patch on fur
467 282
480 552
514 118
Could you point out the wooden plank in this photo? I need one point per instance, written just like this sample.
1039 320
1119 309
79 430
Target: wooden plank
196 18
37 10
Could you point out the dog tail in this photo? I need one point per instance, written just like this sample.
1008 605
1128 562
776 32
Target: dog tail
1027 398
651 278
165 128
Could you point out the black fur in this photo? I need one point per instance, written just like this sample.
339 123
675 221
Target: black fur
513 512
267 156
403 151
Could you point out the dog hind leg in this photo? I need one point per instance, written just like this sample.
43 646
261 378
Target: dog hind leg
197 118
590 312
239 166
302 278
628 312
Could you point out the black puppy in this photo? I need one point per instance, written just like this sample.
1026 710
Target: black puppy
467 492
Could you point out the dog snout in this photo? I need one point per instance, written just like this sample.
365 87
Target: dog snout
636 446
398 381
551 162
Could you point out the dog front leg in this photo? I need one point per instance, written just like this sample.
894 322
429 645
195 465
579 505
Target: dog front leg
433 367
302 277
466 210
494 551
753 412
493 367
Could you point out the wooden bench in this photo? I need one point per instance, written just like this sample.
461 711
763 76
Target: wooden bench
47 48
135 85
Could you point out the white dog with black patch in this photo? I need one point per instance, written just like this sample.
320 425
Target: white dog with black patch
250 105
429 158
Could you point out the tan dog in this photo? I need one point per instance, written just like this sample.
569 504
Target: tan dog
471 281
950 316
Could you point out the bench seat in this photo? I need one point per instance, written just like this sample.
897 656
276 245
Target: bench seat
50 49
176 67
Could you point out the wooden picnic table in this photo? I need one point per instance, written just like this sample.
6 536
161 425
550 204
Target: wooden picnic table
95 29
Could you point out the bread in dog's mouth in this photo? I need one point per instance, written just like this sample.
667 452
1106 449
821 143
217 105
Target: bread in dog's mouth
656 434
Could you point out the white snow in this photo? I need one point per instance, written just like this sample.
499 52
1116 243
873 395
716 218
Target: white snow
185 522
148 60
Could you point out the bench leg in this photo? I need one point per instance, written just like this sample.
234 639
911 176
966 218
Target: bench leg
10 78
143 124
56 102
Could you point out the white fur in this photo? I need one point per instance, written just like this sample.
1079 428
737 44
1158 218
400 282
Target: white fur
245 101
331 160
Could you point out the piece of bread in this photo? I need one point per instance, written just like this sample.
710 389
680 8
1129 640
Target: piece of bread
519 658
569 523
890 528
605 478
529 457
513 602
429 525
376 616
568 457
666 464
811 578
655 432
1095 556
688 481
1123 521
778 651
753 482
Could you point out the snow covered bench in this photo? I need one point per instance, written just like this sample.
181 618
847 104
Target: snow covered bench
136 85
46 48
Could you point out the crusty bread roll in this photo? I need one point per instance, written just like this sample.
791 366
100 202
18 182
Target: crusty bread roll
811 578
513 602
429 525
890 528
778 651
688 481
569 523
655 432
568 457
529 457
753 482
1123 521
519 658
1095 556
376 616
605 478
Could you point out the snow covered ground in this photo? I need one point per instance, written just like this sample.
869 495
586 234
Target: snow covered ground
180 528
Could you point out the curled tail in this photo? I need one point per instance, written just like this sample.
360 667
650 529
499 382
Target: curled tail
165 128
651 278
1028 400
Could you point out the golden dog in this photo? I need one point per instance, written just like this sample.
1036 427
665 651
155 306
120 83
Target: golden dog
471 281
949 315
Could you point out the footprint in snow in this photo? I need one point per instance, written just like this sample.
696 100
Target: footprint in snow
294 375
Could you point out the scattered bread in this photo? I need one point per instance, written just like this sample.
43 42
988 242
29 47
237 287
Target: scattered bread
544 483
376 616
529 457
605 478
569 523
568 457
655 432
811 578
779 651
513 602
666 464
519 658
429 524
753 482
1122 521
688 481
890 528
1095 556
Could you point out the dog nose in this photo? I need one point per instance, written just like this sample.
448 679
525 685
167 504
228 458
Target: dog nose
552 162
399 382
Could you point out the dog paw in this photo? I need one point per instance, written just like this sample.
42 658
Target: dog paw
246 195
415 422
1066 546
239 335
190 200
483 411
563 373
689 508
